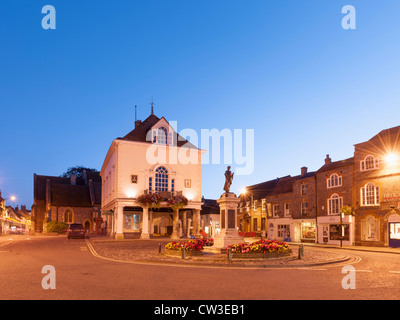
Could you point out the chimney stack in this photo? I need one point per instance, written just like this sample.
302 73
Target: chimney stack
328 160
138 123
303 171
73 179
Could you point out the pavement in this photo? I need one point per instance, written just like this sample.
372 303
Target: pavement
153 251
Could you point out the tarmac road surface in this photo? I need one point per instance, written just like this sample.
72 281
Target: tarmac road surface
80 275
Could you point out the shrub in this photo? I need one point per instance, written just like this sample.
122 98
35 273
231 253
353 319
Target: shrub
57 227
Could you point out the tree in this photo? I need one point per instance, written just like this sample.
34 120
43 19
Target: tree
77 171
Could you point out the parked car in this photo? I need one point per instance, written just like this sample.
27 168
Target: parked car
76 230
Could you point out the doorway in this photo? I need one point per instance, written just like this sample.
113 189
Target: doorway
394 234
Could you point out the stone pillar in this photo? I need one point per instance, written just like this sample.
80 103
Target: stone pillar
145 224
180 232
119 223
151 227
184 223
175 225
196 226
228 204
189 221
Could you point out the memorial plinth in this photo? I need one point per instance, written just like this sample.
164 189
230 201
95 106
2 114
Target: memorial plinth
228 204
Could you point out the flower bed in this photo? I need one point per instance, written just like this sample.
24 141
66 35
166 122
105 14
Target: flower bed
192 247
260 249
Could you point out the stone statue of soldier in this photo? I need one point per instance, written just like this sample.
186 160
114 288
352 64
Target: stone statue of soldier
228 179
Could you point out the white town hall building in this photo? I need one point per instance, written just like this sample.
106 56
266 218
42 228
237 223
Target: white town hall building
151 160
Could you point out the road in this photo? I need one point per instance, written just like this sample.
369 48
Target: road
81 276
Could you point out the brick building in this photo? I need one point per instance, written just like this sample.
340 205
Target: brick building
335 189
69 200
309 207
377 189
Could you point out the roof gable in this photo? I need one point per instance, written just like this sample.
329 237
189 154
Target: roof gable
140 133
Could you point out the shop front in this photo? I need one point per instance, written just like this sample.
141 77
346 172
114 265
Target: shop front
331 230
394 230
304 231
308 231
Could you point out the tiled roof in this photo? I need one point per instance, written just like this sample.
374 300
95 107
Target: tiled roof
63 193
336 164
140 132
392 134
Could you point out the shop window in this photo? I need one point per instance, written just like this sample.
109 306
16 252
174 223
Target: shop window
370 229
394 230
284 231
132 222
308 231
335 232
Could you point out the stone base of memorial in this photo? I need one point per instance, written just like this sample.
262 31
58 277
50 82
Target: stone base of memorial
228 203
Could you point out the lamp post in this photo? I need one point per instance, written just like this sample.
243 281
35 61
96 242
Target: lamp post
341 236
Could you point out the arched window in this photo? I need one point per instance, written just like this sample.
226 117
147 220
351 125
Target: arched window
335 203
68 217
334 181
370 195
161 136
369 163
161 183
370 229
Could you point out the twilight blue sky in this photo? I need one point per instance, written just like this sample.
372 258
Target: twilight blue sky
286 69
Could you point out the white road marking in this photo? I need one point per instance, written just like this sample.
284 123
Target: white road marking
311 268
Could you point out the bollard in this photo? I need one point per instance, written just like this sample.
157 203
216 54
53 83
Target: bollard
229 255
301 252
159 248
183 252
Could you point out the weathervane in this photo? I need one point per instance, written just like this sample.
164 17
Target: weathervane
152 106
